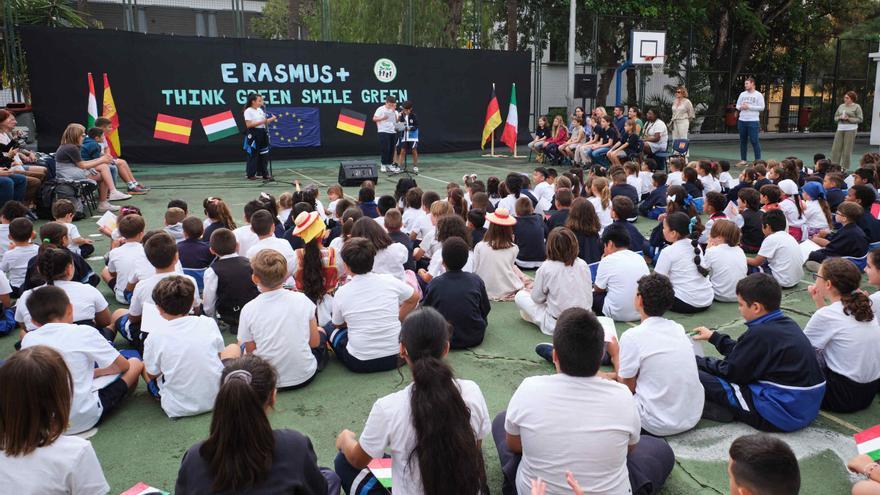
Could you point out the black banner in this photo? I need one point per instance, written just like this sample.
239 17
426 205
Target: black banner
164 87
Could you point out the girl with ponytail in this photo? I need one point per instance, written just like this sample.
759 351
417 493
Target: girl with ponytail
846 336
433 428
681 262
54 235
316 272
217 216
243 453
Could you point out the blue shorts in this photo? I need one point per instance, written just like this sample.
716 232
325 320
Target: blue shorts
123 327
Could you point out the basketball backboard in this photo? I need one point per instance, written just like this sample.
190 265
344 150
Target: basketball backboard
647 46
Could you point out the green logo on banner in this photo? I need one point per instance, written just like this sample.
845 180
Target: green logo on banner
385 70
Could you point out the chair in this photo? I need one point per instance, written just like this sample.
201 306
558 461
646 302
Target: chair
862 261
680 147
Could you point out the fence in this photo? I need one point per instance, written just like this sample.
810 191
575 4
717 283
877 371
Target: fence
802 93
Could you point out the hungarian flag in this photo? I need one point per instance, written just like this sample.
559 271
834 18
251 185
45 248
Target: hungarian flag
868 442
110 113
493 118
172 128
93 104
508 137
219 126
381 469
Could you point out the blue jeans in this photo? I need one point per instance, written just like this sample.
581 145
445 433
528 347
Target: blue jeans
748 132
12 187
598 155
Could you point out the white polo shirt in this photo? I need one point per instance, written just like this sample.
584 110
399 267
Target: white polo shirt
677 262
391 260
15 262
618 275
67 465
246 238
851 347
668 395
784 258
86 300
727 266
123 261
275 244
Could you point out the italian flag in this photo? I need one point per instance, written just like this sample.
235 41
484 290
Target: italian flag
868 442
93 104
219 126
508 137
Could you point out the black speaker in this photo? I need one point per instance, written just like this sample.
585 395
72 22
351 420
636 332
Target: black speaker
354 173
585 86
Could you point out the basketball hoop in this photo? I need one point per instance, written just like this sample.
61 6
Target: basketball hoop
656 63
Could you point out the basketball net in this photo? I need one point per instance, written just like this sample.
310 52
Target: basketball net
656 63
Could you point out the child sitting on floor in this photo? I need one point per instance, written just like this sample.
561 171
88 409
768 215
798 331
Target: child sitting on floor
750 219
393 222
724 259
714 206
14 262
616 276
122 260
680 261
476 224
10 211
194 253
528 234
228 284
460 296
601 199
390 256
63 212
263 224
562 282
770 197
848 240
448 227
217 216
54 235
173 223
655 203
244 234
494 258
846 336
183 357
790 204
779 252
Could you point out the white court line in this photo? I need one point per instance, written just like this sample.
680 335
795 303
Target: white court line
96 235
432 178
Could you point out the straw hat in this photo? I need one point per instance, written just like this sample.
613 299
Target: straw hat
501 216
307 226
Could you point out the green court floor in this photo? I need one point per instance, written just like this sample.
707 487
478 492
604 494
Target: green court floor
139 443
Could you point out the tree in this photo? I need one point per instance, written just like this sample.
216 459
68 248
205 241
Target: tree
512 12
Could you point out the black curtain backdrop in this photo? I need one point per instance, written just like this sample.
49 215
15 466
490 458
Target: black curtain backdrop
186 77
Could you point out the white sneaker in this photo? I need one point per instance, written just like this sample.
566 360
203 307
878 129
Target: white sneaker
394 168
383 168
117 195
106 206
416 169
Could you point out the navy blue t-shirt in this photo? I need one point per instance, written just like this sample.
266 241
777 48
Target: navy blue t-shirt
529 233
462 299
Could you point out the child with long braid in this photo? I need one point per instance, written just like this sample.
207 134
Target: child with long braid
681 262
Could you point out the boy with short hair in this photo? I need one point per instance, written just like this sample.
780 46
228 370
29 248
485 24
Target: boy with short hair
563 199
174 228
193 252
83 348
676 167
122 261
865 196
263 224
10 211
768 378
543 189
183 359
367 312
393 222
623 213
460 296
14 262
657 363
476 224
178 203
63 211
779 251
134 187
655 204
228 283
621 188
244 234
760 463
280 325
834 190
614 289
848 240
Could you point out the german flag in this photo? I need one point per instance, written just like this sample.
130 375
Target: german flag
352 122
172 129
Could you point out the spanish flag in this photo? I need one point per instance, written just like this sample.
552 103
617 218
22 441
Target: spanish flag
493 118
352 122
110 113
172 129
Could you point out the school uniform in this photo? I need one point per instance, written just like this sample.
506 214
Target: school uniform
589 247
369 209
733 193
278 322
391 260
185 355
636 239
675 179
4 237
73 234
368 305
710 184
275 244
796 219
604 213
15 262
727 266
704 236
86 300
477 234
528 234
142 296
82 347
67 465
557 219
816 221
497 269
849 240
122 261
752 230
245 237
634 181
194 253
418 221
848 352
668 395
210 228
870 225
228 287
436 267
693 292
175 231
404 240
462 299
761 182
557 287
655 204
769 377
784 258
835 196
692 189
82 273
618 276
625 190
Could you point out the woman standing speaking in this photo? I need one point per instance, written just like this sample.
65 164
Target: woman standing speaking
848 116
257 141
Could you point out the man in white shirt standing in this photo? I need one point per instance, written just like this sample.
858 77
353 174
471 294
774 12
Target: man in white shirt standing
544 433
750 104
385 118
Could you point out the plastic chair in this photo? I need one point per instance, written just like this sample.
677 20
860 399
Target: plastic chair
680 147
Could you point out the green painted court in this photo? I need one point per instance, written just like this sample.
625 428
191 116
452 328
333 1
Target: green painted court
139 443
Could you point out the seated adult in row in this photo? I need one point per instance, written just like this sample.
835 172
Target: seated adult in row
70 165
655 134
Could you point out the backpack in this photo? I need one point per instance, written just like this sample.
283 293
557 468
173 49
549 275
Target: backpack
53 190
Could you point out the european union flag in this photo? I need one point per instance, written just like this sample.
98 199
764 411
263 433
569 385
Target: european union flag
295 127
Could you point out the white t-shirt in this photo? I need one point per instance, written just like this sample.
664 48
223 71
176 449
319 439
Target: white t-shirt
561 287
81 347
246 238
618 275
275 244
674 179
710 184
634 181
726 180
369 304
123 261
437 268
417 220
543 190
143 270
604 214
72 234
784 258
143 294
814 216
677 262
756 105
390 427
15 263
255 114
792 216
278 323
391 260
668 395
851 347
508 202
66 466
578 424
86 300
4 237
186 352
657 127
727 266
5 288
387 125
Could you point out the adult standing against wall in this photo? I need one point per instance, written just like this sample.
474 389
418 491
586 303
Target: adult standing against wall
750 105
848 116
682 114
